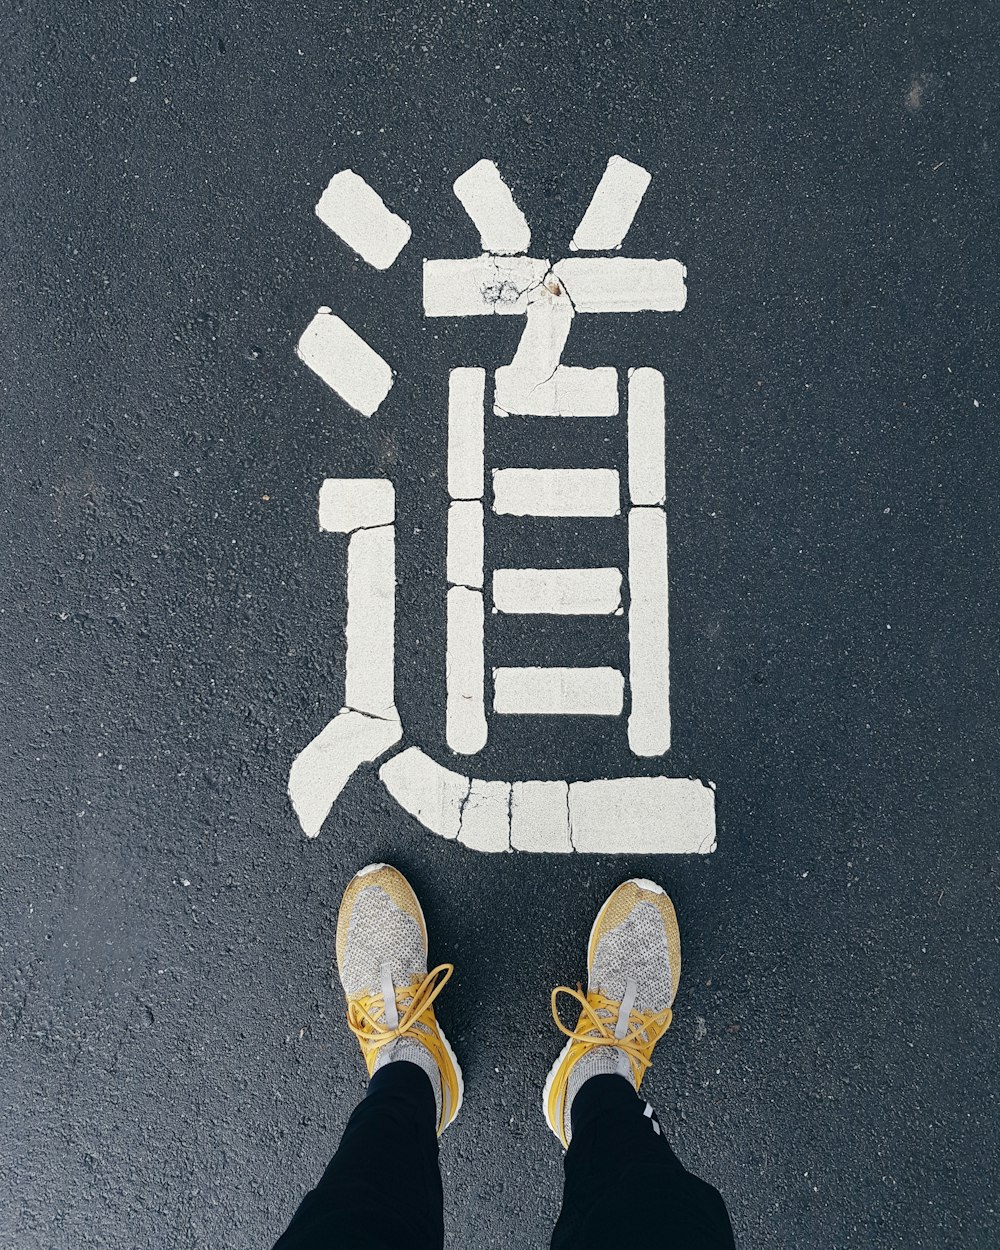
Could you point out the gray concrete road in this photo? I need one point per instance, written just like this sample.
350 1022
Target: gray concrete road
176 1070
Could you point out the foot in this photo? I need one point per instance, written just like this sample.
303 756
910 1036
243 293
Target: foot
634 966
382 960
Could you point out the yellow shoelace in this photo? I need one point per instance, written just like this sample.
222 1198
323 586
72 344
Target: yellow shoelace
363 1019
596 1027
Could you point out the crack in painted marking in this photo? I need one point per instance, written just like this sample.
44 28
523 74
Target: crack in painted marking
463 805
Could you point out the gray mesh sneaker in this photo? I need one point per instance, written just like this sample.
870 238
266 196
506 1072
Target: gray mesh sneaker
382 960
634 967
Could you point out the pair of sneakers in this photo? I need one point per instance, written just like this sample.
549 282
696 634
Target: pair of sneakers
633 966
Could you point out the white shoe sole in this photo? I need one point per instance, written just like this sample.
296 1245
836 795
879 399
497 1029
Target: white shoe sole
447 1045
644 884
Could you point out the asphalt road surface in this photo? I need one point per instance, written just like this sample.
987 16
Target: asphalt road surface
176 1068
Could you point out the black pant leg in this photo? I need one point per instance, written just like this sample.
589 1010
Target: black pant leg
382 1189
623 1180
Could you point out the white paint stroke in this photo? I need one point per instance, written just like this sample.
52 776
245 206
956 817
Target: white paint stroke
539 816
356 213
481 285
648 635
465 717
622 284
465 543
353 503
563 592
571 391
556 492
620 815
321 770
487 199
535 383
466 400
558 691
647 475
549 317
486 817
371 610
431 793
643 816
613 208
345 362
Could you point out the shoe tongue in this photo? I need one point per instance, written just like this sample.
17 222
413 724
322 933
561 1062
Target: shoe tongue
625 1011
616 1015
389 998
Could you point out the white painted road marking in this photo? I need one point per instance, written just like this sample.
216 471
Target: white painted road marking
371 609
566 592
478 286
643 816
647 482
347 504
465 716
487 199
548 317
466 400
321 770
648 643
465 670
628 814
536 384
485 824
433 794
465 543
539 816
556 492
558 691
622 284
614 205
358 215
369 725
345 362
638 815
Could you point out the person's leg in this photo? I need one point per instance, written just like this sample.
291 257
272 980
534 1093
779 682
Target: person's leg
620 1171
618 1165
383 1187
